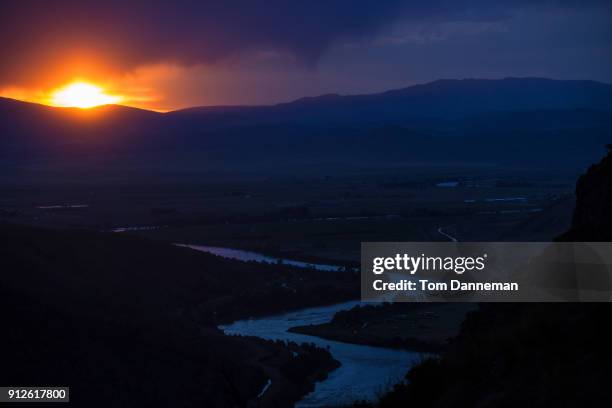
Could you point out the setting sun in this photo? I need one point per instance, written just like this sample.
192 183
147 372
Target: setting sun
82 95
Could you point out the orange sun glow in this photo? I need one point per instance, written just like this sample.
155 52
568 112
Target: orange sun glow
82 95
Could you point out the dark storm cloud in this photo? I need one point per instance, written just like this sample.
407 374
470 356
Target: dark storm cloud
127 33
121 35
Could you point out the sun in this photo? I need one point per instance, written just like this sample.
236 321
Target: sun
82 95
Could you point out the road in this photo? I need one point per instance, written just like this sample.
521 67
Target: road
441 231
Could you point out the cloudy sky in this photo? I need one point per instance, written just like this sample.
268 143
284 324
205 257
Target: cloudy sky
168 55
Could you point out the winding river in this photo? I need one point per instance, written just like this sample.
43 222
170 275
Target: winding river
249 256
366 372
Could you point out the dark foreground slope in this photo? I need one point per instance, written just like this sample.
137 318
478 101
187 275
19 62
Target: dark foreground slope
535 355
592 220
128 322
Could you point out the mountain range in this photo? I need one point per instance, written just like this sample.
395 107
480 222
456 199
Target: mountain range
512 121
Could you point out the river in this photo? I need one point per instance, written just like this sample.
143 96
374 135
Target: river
250 256
366 372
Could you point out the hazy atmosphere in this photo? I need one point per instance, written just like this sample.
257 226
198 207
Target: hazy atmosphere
313 204
164 57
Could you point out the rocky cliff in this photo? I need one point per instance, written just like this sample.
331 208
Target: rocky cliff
527 354
592 220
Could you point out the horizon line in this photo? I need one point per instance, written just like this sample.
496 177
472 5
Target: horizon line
302 98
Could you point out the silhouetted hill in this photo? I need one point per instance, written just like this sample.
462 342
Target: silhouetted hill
525 122
592 220
28 114
442 99
28 128
129 322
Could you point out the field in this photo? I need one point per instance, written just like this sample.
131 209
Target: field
314 217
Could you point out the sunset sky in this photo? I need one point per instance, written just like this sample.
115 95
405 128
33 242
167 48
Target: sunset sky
169 55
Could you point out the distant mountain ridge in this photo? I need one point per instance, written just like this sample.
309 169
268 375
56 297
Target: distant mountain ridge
577 94
445 98
508 121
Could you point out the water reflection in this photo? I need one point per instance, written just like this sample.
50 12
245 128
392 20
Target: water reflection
366 372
